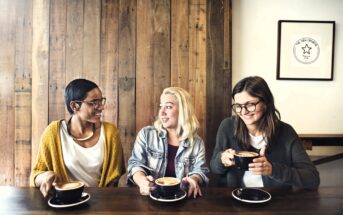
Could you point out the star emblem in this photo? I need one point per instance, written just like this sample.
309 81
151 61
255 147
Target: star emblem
306 49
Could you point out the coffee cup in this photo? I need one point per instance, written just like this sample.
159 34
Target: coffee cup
243 158
69 192
167 186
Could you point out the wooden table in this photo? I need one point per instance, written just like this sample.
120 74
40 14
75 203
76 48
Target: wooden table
124 200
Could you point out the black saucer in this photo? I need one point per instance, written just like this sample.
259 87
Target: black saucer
179 195
57 203
251 195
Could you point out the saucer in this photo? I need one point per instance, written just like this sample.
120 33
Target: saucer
251 195
179 195
56 203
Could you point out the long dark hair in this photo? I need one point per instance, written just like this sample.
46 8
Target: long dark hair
257 87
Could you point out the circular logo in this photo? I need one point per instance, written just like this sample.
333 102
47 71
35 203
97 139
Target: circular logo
306 50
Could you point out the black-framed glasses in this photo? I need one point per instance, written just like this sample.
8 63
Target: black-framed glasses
96 103
250 107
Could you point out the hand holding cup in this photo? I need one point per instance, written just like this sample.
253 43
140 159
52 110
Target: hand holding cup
227 157
46 181
260 165
146 185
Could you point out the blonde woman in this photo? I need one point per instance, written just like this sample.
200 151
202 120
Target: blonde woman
170 148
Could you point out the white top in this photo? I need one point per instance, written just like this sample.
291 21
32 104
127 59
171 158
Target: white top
82 164
250 179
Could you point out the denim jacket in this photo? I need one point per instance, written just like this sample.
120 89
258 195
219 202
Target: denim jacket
150 155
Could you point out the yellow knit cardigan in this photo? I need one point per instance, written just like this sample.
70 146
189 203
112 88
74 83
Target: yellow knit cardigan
50 156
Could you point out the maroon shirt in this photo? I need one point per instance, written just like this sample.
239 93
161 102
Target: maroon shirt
170 171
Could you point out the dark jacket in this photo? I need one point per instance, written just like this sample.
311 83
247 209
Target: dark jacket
292 166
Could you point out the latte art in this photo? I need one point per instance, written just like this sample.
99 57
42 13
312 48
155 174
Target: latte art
247 154
167 181
68 186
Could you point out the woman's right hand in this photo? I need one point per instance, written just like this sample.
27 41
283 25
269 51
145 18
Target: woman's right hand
145 183
45 182
227 157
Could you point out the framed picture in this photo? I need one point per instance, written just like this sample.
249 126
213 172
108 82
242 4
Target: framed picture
305 50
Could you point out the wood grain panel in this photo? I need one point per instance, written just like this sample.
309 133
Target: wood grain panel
40 71
57 64
133 49
153 58
144 66
127 75
7 68
180 44
218 69
160 49
22 153
74 42
91 46
23 95
197 58
227 72
109 58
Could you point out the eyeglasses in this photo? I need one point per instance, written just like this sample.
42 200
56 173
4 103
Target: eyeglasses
250 107
96 103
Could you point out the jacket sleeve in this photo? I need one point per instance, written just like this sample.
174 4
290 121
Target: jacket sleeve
138 160
301 173
200 166
49 157
114 165
42 164
221 144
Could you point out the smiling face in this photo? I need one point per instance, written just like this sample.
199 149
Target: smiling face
89 112
250 118
169 111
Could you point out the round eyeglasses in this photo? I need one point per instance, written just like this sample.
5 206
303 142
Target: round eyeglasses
249 107
96 103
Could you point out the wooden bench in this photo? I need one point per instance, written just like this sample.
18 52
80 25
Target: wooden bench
310 140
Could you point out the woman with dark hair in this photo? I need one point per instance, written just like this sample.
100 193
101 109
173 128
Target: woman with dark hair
81 148
283 162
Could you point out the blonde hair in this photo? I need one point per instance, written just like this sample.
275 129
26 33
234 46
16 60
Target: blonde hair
188 123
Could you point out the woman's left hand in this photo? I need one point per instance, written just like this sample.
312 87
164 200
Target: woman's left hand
260 165
193 186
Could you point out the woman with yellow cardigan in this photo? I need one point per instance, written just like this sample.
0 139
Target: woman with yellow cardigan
82 148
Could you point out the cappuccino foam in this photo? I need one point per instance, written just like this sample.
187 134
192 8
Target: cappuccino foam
167 181
247 154
69 185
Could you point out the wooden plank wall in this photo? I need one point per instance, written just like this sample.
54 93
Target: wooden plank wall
218 67
7 90
23 92
132 48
